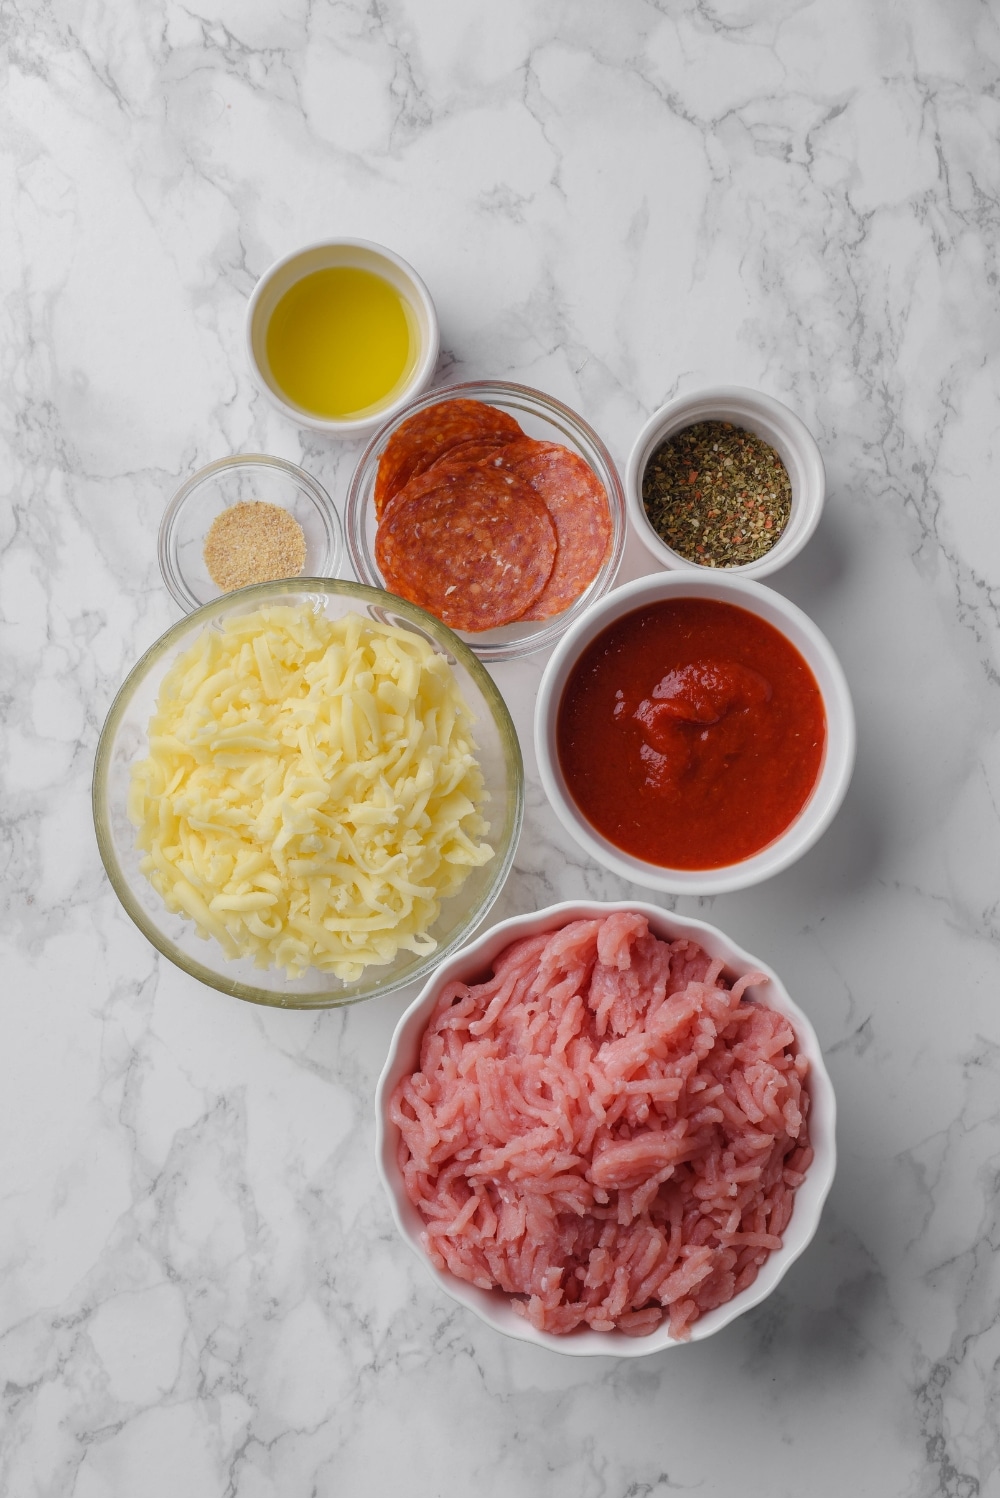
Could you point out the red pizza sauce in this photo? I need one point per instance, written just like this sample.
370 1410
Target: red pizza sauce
690 733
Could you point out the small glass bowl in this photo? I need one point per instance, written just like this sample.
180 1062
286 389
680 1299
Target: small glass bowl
541 417
124 741
227 481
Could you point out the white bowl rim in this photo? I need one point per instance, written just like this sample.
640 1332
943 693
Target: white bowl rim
821 807
422 372
494 1307
725 403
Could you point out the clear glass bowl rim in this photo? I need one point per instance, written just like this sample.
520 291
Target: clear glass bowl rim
545 407
506 843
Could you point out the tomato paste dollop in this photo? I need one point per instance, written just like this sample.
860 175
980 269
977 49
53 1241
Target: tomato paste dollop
691 733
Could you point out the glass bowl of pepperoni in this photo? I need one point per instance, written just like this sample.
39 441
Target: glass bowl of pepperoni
494 507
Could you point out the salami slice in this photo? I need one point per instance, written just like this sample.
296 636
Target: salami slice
475 547
578 506
431 433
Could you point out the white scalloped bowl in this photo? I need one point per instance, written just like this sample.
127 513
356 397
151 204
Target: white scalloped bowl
496 1307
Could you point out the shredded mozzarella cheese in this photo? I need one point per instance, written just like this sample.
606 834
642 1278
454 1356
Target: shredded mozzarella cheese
311 792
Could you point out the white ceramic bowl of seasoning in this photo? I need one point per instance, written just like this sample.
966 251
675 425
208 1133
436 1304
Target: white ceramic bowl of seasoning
471 965
403 298
775 425
835 761
244 478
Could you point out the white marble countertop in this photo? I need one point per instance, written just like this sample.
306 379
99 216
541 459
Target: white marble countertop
201 1291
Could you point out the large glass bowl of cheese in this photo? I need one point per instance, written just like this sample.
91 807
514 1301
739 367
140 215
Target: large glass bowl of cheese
308 794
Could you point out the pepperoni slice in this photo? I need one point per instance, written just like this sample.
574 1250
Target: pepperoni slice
578 506
429 434
457 459
450 469
475 546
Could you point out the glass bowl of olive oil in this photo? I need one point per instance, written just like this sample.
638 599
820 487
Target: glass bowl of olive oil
341 335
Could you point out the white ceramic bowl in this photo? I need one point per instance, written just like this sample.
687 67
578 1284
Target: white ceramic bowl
363 255
770 420
838 756
495 1307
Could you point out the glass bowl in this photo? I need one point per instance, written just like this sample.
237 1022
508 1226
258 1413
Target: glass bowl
124 741
541 417
227 481
471 965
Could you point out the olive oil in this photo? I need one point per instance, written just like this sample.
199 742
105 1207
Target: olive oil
341 342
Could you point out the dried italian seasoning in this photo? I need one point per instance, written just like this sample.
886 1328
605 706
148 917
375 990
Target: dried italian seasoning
717 494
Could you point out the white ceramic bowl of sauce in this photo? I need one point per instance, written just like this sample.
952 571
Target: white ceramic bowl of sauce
835 761
340 335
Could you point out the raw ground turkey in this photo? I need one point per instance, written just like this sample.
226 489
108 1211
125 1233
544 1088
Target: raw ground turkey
605 1129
